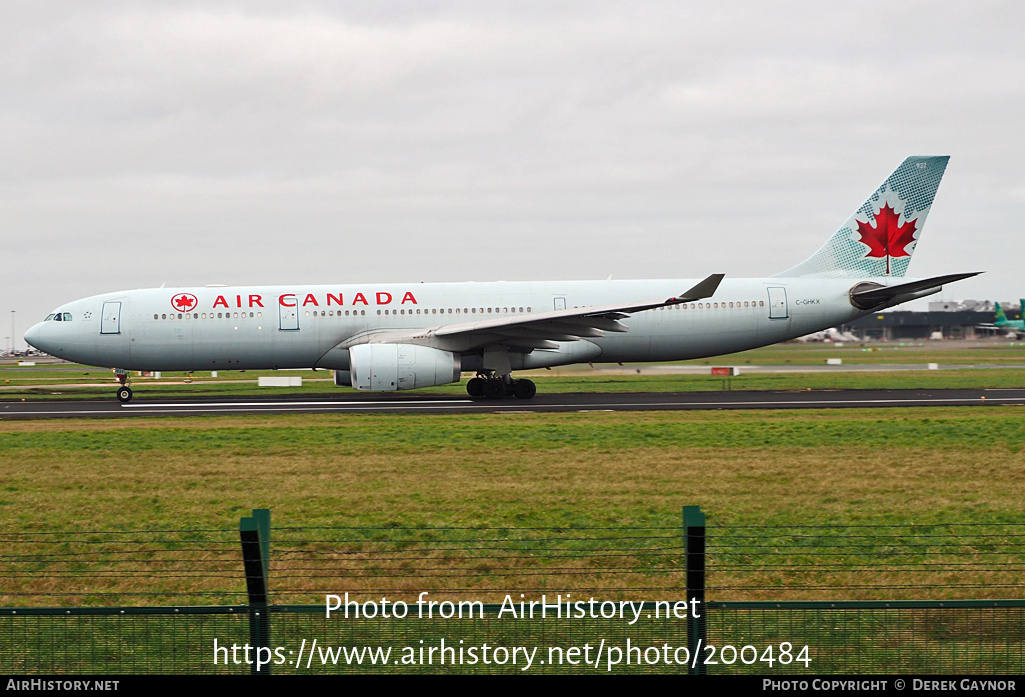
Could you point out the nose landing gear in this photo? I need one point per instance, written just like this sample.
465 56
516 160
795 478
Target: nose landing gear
124 393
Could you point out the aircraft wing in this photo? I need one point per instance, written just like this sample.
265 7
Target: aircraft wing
536 330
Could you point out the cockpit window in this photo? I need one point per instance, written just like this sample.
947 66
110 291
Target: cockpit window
58 317
67 316
49 317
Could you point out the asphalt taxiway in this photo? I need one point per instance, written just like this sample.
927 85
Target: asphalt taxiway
409 404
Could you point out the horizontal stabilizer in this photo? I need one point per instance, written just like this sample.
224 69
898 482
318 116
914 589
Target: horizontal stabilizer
869 295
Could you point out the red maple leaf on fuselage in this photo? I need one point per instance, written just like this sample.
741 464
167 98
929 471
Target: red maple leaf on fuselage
888 238
184 302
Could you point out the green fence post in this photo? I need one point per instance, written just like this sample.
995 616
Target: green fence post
254 533
694 555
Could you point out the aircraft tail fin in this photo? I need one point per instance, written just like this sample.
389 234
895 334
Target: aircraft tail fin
1001 317
880 237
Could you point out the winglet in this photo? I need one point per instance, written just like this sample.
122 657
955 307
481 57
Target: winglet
704 289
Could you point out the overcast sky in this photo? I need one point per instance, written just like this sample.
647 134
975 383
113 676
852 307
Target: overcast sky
249 143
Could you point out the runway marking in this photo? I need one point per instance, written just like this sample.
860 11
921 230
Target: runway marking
461 404
175 405
516 406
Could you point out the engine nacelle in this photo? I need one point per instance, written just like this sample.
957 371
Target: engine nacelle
386 367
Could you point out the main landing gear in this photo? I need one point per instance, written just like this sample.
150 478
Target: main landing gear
491 386
124 393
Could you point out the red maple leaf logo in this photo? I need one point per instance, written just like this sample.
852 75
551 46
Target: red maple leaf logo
887 238
183 301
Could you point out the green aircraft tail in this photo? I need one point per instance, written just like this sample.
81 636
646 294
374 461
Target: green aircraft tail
1001 318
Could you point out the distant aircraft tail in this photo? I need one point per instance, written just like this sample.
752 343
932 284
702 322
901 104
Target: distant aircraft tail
880 237
1001 318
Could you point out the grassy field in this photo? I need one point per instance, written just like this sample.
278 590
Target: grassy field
802 505
926 469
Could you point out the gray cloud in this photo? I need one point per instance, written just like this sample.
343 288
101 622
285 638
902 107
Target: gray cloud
191 143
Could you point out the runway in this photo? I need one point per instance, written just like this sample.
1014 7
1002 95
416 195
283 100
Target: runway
581 402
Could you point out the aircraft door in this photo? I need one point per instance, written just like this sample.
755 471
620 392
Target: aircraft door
560 303
778 308
288 316
110 320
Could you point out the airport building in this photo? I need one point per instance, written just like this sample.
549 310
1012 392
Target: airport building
966 319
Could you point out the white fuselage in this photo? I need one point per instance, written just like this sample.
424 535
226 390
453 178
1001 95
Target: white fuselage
265 327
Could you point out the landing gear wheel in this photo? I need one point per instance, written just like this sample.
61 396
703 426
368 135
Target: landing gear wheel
494 389
475 388
124 394
524 389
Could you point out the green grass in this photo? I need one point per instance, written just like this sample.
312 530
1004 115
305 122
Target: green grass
934 466
345 488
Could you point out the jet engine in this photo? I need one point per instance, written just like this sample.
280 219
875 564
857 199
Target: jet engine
386 367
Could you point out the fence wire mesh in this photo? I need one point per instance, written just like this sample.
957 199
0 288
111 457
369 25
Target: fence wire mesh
862 638
117 567
845 562
485 563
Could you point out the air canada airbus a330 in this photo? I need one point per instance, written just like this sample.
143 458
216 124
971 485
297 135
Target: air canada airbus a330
405 336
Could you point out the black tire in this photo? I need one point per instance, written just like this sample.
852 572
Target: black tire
524 389
124 394
475 388
494 389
